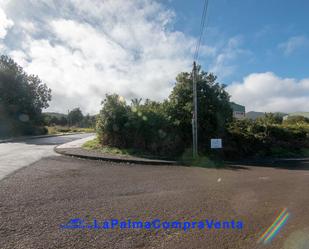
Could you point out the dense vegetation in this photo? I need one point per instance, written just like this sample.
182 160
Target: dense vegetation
22 98
267 137
164 128
149 127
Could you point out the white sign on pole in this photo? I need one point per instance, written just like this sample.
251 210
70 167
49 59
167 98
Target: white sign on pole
216 143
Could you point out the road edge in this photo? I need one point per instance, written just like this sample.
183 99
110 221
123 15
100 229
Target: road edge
39 136
118 159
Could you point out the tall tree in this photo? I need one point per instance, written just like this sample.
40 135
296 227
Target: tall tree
214 111
112 121
75 117
22 98
165 128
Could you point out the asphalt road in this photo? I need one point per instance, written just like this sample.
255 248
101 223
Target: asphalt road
37 199
15 155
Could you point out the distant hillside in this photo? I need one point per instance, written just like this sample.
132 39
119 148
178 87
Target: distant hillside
254 115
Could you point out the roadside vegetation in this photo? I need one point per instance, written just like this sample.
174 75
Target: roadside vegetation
22 98
96 145
269 136
74 121
163 129
54 130
150 128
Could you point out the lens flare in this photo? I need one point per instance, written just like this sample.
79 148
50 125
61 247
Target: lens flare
275 227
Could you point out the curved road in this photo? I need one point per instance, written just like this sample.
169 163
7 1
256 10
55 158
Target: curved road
36 200
15 155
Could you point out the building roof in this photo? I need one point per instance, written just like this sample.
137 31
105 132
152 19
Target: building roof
237 107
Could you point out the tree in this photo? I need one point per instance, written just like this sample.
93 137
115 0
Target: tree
214 111
112 121
88 121
75 117
136 102
165 128
22 98
270 118
296 120
63 121
138 126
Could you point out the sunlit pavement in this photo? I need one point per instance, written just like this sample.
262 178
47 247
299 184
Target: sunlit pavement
15 155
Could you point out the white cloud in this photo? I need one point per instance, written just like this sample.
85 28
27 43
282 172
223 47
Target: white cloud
267 92
294 43
20 57
28 26
5 24
83 50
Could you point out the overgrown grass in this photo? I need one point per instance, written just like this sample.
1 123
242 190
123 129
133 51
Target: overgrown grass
213 160
185 159
204 161
53 130
95 145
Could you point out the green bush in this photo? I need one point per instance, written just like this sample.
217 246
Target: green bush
139 126
164 128
22 99
249 138
296 120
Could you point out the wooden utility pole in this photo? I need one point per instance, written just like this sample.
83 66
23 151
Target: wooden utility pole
68 118
194 116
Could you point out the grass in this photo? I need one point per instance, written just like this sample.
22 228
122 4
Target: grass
203 161
54 130
95 145
186 158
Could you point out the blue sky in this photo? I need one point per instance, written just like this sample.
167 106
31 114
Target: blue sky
85 49
263 26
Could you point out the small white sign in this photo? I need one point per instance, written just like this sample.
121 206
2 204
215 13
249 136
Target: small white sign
216 143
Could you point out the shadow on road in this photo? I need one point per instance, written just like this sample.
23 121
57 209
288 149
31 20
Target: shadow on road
236 167
289 164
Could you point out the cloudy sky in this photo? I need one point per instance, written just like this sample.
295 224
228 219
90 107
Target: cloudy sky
85 49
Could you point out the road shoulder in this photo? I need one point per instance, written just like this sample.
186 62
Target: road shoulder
75 149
